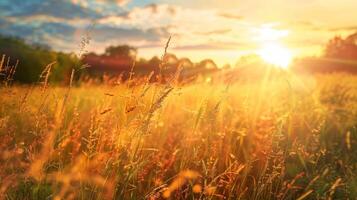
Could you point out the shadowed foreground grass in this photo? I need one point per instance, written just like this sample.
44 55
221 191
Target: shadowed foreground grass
284 138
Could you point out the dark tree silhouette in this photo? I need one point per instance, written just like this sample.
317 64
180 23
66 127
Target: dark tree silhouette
34 58
125 51
186 63
170 59
342 48
207 64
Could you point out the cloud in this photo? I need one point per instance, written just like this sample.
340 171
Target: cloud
344 28
142 17
59 8
185 24
213 46
215 32
123 35
206 26
16 30
231 16
146 27
118 2
122 2
43 33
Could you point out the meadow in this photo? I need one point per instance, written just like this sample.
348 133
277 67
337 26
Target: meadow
285 136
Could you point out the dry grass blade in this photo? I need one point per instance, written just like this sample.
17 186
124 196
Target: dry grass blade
348 140
108 94
305 195
333 188
8 71
46 74
166 47
131 73
106 111
179 181
2 62
155 106
162 63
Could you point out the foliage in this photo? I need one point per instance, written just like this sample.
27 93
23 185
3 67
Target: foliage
125 51
34 58
342 48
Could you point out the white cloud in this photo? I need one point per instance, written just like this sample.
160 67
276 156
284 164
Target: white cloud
86 3
118 2
187 26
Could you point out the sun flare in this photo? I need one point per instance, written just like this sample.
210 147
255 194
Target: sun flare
276 55
272 51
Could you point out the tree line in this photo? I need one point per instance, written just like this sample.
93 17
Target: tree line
32 59
116 60
122 59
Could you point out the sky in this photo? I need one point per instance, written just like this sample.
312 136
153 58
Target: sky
222 30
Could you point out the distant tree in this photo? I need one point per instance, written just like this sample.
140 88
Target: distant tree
342 48
207 64
170 62
125 51
39 46
249 60
33 59
226 66
63 68
154 62
186 63
170 58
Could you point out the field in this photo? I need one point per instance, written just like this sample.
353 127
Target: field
284 137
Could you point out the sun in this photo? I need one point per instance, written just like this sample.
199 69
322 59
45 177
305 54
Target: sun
272 51
276 54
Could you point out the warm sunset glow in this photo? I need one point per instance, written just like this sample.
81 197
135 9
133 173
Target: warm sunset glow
268 33
276 54
272 51
178 99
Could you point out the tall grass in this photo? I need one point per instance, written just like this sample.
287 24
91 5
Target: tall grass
286 137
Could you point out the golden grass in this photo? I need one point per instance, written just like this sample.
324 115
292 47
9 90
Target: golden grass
290 137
